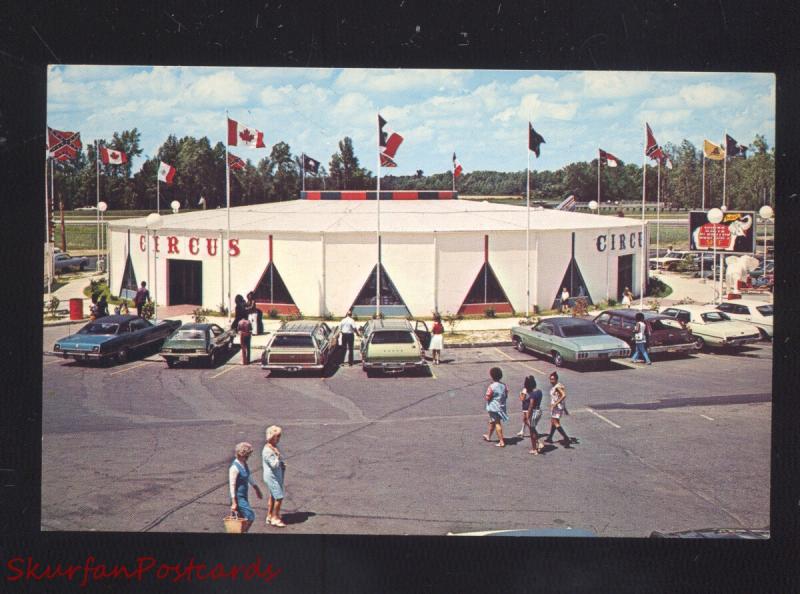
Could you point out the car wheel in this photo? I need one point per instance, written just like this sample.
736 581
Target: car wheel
122 356
170 362
764 335
82 267
701 344
558 360
518 344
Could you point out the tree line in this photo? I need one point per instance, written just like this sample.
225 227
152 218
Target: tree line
200 172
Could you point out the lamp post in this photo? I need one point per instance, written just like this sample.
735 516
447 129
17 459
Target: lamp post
714 217
154 222
593 206
101 207
766 213
176 206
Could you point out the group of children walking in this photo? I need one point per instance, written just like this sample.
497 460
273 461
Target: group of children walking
531 399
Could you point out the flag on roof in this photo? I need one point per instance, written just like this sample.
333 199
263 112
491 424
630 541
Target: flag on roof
652 150
569 204
243 135
235 162
63 145
607 158
535 140
457 169
166 172
310 164
388 142
112 156
733 148
713 151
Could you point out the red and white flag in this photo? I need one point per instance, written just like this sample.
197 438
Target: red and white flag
235 162
608 159
388 142
63 145
166 172
112 156
457 169
243 135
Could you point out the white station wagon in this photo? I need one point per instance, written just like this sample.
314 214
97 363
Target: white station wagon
712 327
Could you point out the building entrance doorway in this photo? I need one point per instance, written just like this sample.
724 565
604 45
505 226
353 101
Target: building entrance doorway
185 282
624 274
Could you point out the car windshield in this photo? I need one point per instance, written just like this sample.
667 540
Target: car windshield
293 341
765 310
714 316
100 328
575 330
393 337
190 335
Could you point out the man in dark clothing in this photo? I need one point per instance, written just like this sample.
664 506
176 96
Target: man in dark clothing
142 297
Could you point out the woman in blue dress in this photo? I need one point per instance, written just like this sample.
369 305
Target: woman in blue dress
274 467
495 397
239 477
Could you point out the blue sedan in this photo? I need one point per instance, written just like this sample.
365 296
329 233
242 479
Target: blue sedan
114 338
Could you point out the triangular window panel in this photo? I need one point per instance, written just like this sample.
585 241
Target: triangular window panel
129 285
573 281
271 288
391 302
486 293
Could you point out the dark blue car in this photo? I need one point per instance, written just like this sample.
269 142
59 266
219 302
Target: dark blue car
114 338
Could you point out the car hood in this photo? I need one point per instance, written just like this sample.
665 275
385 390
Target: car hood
725 328
84 340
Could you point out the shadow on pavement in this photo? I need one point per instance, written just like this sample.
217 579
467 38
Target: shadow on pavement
296 517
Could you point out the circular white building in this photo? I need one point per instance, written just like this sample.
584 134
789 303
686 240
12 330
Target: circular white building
320 256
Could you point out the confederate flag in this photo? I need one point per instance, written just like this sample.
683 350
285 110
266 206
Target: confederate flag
166 172
389 141
310 164
653 150
112 157
733 148
457 169
63 145
241 135
608 159
235 162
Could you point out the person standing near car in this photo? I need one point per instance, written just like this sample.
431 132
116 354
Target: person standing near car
627 297
558 407
437 339
252 309
640 338
142 296
245 331
495 397
239 480
274 469
348 329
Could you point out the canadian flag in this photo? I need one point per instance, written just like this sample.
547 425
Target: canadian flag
112 157
166 172
457 169
242 135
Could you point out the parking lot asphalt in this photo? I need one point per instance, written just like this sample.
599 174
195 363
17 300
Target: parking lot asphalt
684 443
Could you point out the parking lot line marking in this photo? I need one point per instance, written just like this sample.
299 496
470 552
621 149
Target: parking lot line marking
707 417
599 416
127 369
224 371
520 361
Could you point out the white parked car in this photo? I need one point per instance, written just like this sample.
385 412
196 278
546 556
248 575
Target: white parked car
758 313
712 327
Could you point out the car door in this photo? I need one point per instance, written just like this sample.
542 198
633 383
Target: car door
216 335
541 337
615 328
421 330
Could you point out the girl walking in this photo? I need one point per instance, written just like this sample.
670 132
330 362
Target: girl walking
558 407
531 398
495 397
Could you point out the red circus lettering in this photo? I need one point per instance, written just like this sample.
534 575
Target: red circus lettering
211 246
233 248
142 243
172 245
155 242
193 249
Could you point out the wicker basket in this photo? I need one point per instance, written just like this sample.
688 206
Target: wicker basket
234 523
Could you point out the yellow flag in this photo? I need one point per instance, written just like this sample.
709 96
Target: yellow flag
713 151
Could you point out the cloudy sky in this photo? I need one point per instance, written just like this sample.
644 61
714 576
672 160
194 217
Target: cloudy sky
482 115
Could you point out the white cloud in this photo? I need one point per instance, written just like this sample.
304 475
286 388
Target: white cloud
534 84
607 110
392 81
707 95
615 84
664 118
220 89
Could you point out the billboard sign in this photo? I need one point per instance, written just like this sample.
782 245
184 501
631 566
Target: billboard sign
734 234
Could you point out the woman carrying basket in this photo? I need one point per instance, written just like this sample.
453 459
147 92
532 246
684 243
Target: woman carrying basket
239 477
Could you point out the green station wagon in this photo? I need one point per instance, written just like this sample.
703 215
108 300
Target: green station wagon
393 346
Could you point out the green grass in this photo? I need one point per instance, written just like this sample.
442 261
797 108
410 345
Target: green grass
79 237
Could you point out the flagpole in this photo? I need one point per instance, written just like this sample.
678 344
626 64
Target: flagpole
228 212
51 223
724 169
158 194
644 191
303 165
598 177
658 213
454 172
528 239
378 232
97 209
703 208
50 266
